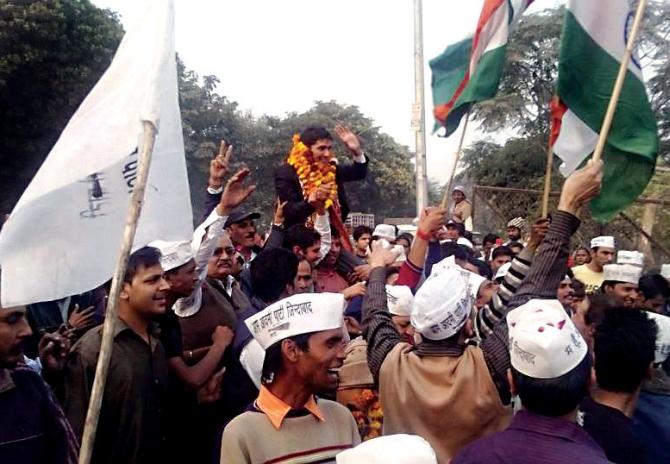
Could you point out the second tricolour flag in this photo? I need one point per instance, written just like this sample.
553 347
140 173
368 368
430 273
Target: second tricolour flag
593 44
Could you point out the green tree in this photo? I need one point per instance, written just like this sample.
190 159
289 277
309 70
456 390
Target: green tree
52 52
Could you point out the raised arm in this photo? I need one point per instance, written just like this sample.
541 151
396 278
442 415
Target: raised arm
548 268
378 328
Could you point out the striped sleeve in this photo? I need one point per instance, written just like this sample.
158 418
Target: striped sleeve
497 307
378 328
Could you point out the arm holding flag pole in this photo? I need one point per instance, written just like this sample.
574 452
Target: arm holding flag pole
136 200
618 85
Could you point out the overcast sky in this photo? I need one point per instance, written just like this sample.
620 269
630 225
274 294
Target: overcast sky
274 57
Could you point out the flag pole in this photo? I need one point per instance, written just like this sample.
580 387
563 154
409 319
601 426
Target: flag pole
102 368
618 85
447 191
547 179
419 102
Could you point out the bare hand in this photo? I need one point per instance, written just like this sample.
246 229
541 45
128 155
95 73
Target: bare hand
432 220
382 257
218 168
211 391
362 272
319 196
223 336
81 319
235 192
355 290
538 231
52 349
349 139
279 212
581 186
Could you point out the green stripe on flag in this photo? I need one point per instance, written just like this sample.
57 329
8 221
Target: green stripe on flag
450 68
586 78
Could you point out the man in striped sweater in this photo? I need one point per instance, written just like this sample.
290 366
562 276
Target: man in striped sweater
303 339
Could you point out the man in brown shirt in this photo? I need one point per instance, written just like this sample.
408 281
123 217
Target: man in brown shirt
409 388
130 429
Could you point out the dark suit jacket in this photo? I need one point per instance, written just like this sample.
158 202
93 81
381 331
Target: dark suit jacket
297 210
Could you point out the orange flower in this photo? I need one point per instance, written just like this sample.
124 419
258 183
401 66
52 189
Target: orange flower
311 173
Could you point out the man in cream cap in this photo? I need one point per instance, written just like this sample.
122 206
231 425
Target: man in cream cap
391 449
621 282
634 258
551 373
441 389
591 273
303 339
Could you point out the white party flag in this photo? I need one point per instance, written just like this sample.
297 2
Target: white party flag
64 235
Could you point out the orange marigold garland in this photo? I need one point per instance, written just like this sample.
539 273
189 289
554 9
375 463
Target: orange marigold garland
311 173
368 414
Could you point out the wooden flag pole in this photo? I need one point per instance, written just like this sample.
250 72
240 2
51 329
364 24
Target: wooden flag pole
618 85
136 201
547 180
450 184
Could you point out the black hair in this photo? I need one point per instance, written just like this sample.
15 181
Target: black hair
579 288
490 238
273 356
311 134
271 271
653 285
484 269
360 230
502 251
624 346
554 397
515 244
144 257
406 236
460 227
452 248
334 233
301 236
598 304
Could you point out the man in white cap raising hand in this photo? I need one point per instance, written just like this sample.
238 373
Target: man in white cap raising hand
551 373
456 392
303 339
591 273
621 282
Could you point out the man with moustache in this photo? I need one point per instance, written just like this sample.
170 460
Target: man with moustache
566 294
304 344
242 231
131 423
33 428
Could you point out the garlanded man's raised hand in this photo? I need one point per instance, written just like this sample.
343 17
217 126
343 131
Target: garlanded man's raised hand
349 139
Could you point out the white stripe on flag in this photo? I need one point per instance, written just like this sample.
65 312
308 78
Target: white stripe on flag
610 37
575 142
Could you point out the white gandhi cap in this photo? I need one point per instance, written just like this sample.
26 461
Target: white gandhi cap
174 254
400 300
603 241
622 273
390 449
543 341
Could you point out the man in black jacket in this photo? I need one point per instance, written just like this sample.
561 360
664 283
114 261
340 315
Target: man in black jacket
320 143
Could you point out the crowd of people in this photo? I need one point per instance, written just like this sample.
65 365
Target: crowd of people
316 343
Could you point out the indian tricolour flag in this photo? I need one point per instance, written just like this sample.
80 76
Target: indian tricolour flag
469 71
594 41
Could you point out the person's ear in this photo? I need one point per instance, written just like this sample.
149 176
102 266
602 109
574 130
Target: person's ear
512 384
469 328
592 377
125 291
297 251
290 350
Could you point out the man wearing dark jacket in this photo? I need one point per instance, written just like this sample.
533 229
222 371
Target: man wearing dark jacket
320 143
